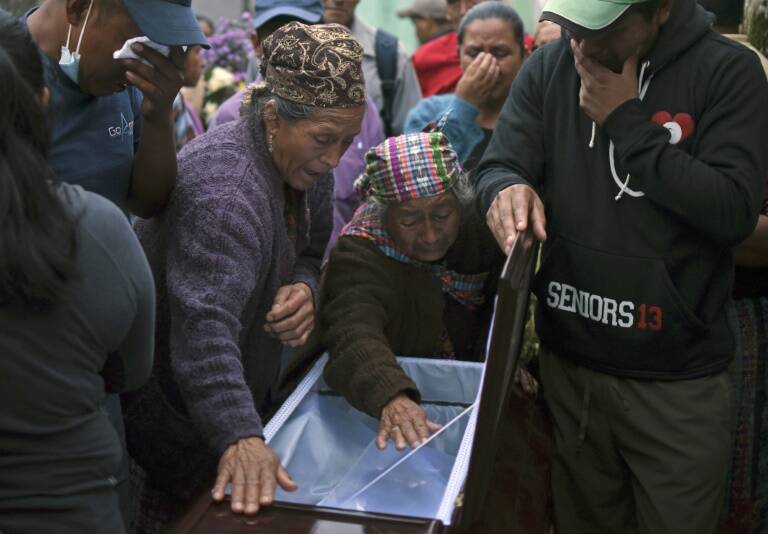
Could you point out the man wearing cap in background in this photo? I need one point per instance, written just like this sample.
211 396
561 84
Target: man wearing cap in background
429 17
636 149
389 76
268 16
111 127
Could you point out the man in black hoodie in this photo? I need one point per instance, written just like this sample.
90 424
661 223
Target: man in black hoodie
636 147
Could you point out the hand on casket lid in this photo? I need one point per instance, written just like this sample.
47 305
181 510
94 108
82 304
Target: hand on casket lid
512 211
254 470
405 423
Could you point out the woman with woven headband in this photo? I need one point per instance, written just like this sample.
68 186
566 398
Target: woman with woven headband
236 257
413 274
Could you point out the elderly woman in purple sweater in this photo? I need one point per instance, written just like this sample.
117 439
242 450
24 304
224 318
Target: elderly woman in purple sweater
236 258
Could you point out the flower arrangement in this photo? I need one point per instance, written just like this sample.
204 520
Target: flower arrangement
227 62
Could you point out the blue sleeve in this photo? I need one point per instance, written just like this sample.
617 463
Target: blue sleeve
460 128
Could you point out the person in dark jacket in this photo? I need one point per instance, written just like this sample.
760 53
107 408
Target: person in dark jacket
635 149
413 274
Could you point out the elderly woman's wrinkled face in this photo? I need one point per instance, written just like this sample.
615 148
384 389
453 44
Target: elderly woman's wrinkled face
425 228
305 150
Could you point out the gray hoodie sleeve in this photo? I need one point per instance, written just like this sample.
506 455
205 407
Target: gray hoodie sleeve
120 293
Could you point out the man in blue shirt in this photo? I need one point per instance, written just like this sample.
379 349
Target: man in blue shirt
100 105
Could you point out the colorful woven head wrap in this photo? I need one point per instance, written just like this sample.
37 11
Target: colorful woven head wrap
318 65
407 167
410 166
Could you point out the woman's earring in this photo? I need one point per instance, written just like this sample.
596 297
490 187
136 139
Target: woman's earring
269 143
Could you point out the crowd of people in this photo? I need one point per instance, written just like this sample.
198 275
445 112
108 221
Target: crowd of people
157 272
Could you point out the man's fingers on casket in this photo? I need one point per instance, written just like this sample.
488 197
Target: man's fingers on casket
285 480
493 219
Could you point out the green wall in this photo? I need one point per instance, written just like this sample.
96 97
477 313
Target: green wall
383 14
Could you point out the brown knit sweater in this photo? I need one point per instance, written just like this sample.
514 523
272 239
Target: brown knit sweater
375 307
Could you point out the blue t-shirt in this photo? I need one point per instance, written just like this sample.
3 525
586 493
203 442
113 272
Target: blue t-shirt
93 139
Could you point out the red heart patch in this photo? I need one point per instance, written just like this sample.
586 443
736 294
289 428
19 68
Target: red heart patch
686 123
661 117
680 127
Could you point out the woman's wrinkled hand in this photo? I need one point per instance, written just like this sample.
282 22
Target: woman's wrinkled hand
405 423
254 470
292 315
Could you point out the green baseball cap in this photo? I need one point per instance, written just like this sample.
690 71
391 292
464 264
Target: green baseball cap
591 15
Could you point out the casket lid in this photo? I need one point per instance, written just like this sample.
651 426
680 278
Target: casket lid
502 360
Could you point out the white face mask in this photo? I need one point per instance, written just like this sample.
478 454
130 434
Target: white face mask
70 61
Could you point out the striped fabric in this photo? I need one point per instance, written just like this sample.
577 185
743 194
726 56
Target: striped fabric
467 289
410 166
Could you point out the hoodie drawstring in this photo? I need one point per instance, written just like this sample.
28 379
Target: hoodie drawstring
623 186
592 139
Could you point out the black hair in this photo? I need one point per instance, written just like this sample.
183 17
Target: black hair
494 10
727 12
37 235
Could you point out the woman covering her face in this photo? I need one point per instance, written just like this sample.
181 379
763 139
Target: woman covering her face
237 256
413 274
491 52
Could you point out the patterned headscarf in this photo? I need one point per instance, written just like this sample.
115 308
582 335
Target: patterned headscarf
318 65
410 166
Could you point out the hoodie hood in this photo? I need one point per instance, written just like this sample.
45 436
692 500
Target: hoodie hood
688 22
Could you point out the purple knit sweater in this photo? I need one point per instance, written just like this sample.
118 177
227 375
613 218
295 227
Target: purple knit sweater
219 253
